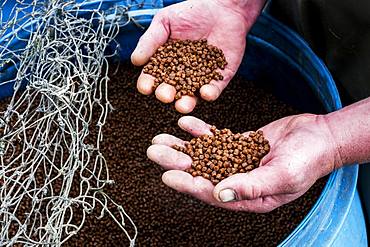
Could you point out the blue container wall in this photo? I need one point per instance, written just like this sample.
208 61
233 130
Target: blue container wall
282 61
280 58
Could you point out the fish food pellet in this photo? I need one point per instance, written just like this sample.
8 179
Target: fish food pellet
186 64
223 154
163 216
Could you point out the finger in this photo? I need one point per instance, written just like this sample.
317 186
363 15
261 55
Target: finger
234 55
168 157
165 93
168 140
213 90
202 189
183 182
259 205
156 35
194 126
210 92
145 83
264 181
186 104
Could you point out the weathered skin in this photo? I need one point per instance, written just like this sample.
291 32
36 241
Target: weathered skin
304 147
223 23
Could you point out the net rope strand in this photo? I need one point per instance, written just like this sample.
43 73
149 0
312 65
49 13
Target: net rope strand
51 174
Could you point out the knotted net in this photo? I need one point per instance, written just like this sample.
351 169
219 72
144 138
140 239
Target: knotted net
52 173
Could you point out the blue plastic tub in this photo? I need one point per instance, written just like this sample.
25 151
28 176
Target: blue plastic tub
280 57
277 55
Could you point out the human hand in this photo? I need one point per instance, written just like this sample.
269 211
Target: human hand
224 23
302 151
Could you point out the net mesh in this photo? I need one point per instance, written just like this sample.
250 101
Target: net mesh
52 173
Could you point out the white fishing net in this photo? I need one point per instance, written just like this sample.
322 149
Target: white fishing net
52 173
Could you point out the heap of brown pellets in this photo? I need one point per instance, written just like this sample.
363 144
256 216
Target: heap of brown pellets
223 154
187 65
163 216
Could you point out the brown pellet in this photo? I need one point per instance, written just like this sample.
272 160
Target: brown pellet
163 216
225 148
195 60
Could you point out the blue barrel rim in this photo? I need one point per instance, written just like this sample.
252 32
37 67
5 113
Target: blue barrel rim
334 176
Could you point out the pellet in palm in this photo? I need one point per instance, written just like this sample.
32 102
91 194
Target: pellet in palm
187 65
223 154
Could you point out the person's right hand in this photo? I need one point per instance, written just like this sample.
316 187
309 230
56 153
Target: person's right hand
302 151
224 23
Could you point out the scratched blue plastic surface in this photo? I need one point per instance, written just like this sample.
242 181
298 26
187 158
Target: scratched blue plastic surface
280 57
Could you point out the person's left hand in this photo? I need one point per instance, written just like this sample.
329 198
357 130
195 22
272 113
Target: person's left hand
302 151
222 22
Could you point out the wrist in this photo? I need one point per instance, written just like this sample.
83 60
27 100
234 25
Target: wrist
248 9
331 140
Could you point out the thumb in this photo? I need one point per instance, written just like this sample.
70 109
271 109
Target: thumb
156 35
264 181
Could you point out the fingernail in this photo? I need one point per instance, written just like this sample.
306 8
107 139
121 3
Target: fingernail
154 140
227 195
